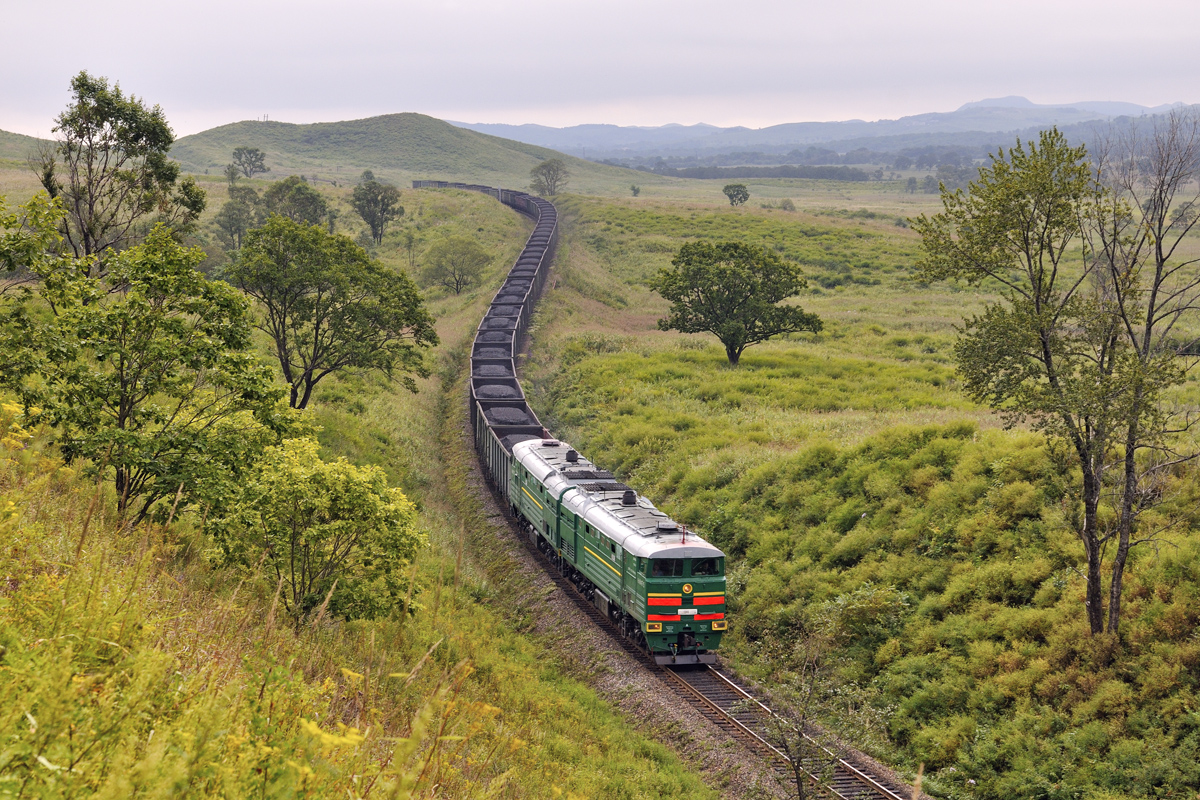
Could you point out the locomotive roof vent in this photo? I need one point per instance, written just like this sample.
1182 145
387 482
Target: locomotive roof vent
550 443
668 525
629 498
572 457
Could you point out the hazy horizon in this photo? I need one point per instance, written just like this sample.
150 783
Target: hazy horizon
618 63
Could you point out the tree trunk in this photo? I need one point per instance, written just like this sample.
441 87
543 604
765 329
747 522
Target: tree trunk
1125 529
1091 547
733 354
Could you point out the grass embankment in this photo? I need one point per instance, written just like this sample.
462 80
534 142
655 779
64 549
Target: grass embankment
845 472
130 666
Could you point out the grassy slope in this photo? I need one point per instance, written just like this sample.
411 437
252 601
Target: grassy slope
397 146
846 471
16 146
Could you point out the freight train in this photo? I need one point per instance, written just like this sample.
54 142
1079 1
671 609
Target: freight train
661 584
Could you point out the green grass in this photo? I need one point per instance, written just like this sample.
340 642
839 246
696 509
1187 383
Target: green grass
847 464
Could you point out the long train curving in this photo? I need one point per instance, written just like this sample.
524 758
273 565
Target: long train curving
663 585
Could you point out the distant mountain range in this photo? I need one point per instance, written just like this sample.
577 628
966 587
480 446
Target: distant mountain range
993 116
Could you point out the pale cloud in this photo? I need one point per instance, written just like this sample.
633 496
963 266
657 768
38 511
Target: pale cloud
555 62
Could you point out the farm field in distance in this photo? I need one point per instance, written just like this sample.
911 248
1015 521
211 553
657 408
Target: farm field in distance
847 476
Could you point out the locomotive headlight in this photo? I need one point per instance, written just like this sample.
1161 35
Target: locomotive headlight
719 624
653 627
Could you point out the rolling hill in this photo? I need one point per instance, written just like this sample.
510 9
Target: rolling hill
17 146
397 146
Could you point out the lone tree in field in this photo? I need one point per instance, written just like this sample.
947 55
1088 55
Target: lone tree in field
455 262
733 291
737 193
549 177
109 168
377 203
329 308
250 160
1091 332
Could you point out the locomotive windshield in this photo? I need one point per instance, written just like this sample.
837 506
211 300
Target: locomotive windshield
705 566
666 568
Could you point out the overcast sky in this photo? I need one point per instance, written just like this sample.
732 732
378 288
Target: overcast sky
559 62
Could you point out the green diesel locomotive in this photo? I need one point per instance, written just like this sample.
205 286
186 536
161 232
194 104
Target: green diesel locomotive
661 583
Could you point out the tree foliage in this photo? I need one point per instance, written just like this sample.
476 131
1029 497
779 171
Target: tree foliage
293 198
109 168
455 262
144 372
737 193
325 530
329 308
733 291
250 160
549 177
378 204
241 212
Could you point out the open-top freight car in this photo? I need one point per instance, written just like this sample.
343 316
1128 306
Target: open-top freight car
662 584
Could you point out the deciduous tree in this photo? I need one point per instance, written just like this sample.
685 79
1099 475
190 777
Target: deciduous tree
293 198
109 168
329 308
250 160
549 177
378 204
145 373
455 262
325 531
737 193
241 212
733 291
1050 351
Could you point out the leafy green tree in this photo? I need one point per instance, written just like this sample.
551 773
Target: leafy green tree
910 186
232 175
324 530
549 177
329 308
737 193
455 262
250 160
241 212
1050 351
634 189
733 291
378 204
144 372
109 168
293 198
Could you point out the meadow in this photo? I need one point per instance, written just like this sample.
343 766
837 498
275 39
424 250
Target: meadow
849 478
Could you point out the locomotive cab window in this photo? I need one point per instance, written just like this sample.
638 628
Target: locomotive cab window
666 568
702 567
